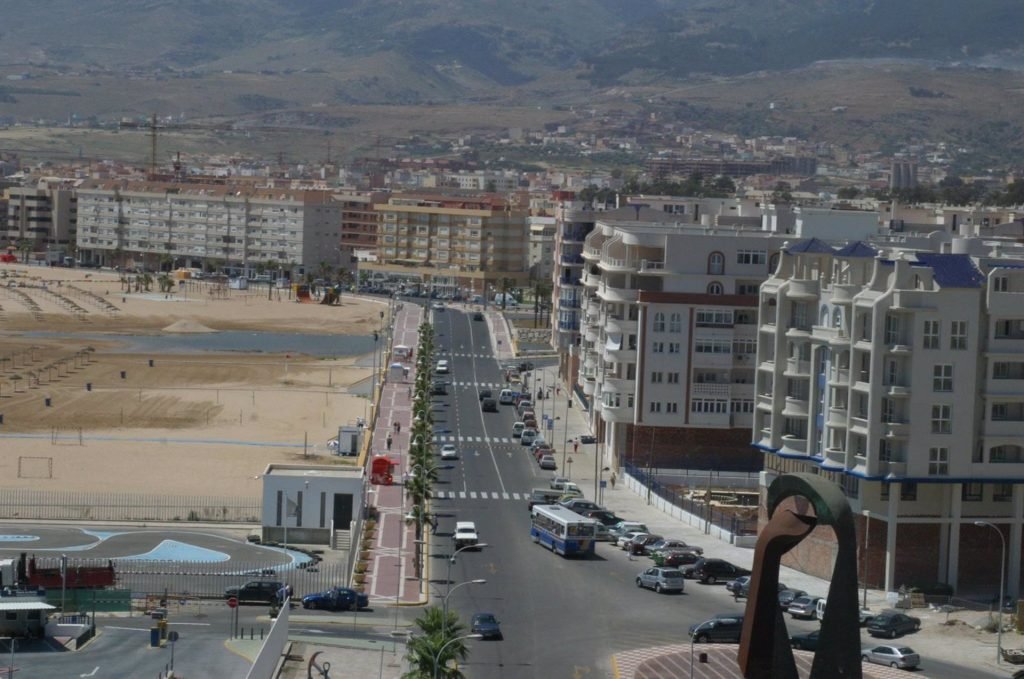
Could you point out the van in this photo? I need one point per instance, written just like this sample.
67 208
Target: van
506 397
517 429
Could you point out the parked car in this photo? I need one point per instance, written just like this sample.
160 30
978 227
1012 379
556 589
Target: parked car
517 429
720 629
486 625
258 591
527 436
543 496
787 596
623 527
864 614
805 642
804 606
438 389
449 452
548 462
539 442
602 534
903 657
605 517
672 543
710 571
570 494
336 599
661 579
541 452
676 558
892 624
640 546
625 538
579 505
588 439
559 482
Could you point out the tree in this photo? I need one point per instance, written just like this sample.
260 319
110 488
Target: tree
848 192
432 646
25 248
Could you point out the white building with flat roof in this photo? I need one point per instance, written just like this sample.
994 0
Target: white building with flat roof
312 503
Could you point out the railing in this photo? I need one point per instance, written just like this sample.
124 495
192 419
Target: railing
715 517
650 265
572 259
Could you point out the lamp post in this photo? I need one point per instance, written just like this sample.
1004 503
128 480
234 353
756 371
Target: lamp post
451 560
444 601
437 658
1002 579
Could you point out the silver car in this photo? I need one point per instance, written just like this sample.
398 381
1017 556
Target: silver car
661 579
804 607
902 657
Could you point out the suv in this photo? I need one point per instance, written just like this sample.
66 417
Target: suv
465 534
721 628
710 571
259 591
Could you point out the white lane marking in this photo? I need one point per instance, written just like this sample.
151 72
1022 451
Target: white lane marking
91 674
494 495
504 496
483 420
472 495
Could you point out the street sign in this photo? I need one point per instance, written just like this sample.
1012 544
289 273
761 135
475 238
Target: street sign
232 602
172 636
551 424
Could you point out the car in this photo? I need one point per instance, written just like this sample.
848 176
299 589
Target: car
548 462
903 657
437 306
602 516
442 367
588 439
465 535
449 452
527 437
336 599
580 505
660 579
559 482
676 558
623 527
531 423
539 442
864 614
439 389
541 452
486 625
892 624
544 496
640 545
736 586
723 628
485 393
805 642
525 367
673 543
517 429
624 539
602 534
256 591
804 607
478 316
506 397
710 571
787 596
489 405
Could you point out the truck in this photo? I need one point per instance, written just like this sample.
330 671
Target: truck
465 535
28 573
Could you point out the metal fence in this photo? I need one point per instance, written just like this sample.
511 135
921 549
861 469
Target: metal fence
71 506
716 517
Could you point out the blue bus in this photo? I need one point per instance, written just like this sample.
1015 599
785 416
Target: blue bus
562 530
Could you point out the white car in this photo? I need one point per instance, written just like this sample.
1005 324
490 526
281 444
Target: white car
438 306
627 537
448 452
442 367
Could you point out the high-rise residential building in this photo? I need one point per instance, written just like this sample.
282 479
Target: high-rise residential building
900 376
451 244
540 258
237 229
44 214
573 222
358 219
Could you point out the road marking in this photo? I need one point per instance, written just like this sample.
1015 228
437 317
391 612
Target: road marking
494 495
132 629
504 496
91 674
483 421
472 495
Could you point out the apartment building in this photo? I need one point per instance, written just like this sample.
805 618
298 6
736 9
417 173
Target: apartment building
451 244
899 375
150 225
540 257
358 219
44 214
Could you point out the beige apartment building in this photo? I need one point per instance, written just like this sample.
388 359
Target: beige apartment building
45 214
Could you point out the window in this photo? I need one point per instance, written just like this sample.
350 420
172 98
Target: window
851 486
931 335
716 264
743 406
747 288
671 407
713 317
655 406
656 377
958 335
673 378
751 257
659 322
658 347
708 405
942 378
675 323
972 492
673 348
883 492
1002 492
908 491
1000 284
744 346
715 288
942 419
938 461
1006 453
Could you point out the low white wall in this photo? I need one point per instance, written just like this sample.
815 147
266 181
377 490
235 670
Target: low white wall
265 666
686 517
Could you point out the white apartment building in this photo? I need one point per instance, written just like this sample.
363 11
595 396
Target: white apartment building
900 376
198 225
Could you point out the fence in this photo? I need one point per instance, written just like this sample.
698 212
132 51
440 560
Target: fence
88 600
726 525
72 506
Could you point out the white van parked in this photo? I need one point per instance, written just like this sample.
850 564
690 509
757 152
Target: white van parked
506 397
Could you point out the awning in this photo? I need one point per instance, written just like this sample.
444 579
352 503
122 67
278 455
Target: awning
25 606
614 342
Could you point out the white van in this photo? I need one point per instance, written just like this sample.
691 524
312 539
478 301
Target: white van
517 429
506 397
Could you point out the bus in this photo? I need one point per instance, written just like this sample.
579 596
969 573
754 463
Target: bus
562 530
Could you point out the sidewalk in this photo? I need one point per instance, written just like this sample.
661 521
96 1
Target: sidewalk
391 577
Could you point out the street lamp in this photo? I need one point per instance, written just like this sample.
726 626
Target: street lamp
437 658
451 560
444 601
1002 578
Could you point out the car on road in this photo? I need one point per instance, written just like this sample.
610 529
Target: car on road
258 591
478 316
661 579
336 599
723 628
442 367
588 439
903 657
580 505
892 624
672 543
787 596
438 389
710 571
486 625
449 452
489 405
505 397
625 538
465 534
525 367
544 496
805 642
676 558
548 462
804 607
485 393
437 306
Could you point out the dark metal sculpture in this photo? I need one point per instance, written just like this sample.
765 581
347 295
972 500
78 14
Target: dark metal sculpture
765 652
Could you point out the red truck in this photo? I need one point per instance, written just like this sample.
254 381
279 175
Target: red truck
29 574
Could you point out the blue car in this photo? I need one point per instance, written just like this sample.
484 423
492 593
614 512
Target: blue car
486 625
336 599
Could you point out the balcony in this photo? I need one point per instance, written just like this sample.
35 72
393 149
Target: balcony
570 281
859 425
572 259
795 407
896 429
1003 428
802 289
591 333
764 402
839 377
568 326
591 253
899 348
652 266
718 390
610 294
834 458
797 368
619 325
618 385
618 413
837 418
897 390
843 294
614 264
589 385
791 445
591 280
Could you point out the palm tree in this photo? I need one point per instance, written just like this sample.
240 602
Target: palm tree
147 281
25 248
428 648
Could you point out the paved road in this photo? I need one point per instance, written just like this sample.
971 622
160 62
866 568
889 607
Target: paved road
560 618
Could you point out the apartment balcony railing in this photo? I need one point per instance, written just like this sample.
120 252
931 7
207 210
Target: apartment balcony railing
572 259
651 266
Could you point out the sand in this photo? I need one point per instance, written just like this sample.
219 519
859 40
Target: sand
189 424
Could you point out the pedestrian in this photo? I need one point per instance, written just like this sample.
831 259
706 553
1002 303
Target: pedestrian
408 392
433 524
398 427
394 425
576 445
612 479
388 441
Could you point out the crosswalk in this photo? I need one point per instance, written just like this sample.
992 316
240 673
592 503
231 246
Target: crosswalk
479 495
480 385
457 354
446 438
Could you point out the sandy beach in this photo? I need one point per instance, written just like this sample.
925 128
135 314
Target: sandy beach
169 422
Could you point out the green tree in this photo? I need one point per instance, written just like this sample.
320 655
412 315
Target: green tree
25 248
848 192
